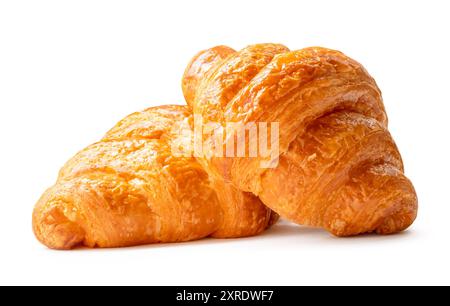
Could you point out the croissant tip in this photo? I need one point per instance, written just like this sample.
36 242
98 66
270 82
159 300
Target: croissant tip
53 229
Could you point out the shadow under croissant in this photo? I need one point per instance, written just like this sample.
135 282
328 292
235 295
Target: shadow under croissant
306 236
291 230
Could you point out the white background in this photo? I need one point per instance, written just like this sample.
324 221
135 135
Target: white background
70 69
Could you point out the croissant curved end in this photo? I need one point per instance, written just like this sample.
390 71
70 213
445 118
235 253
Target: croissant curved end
403 214
381 215
52 227
199 66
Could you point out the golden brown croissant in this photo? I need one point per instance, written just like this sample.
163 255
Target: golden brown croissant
128 189
338 167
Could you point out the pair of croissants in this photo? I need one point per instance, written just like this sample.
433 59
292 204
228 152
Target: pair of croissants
337 165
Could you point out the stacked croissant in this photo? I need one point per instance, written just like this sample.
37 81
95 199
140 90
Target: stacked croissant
337 166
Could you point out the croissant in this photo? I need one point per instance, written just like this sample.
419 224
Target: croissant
337 166
128 189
